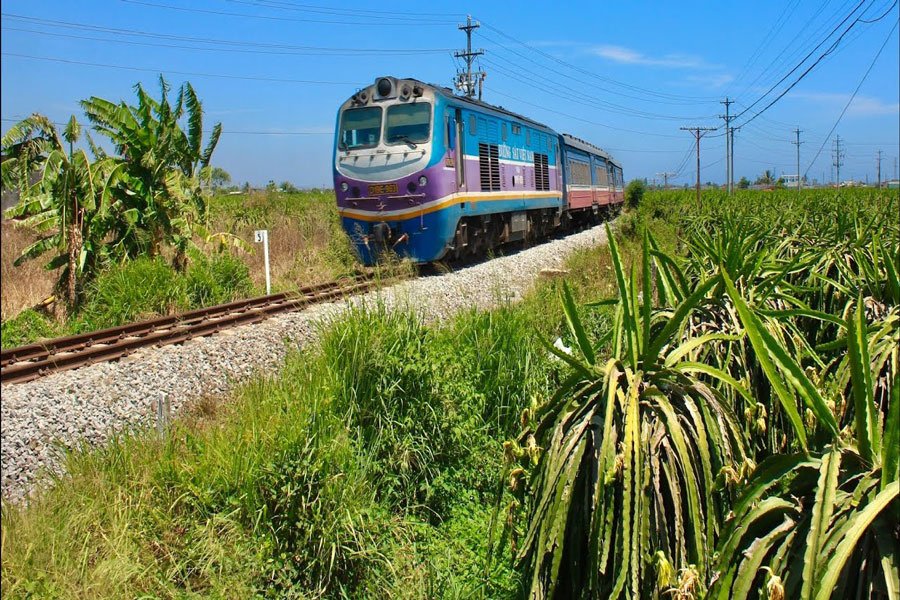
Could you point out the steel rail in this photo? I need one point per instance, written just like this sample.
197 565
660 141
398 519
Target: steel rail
25 363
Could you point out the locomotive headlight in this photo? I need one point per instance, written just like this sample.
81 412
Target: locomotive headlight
344 186
423 180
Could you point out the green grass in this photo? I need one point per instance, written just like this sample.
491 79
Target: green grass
141 289
368 469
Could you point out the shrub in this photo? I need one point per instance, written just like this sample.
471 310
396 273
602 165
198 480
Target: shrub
217 279
634 193
142 288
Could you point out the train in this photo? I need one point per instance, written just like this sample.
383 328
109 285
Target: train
431 175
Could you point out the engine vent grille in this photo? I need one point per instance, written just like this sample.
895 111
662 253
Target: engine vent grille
489 164
541 172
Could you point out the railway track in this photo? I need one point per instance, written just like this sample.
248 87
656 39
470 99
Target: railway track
25 363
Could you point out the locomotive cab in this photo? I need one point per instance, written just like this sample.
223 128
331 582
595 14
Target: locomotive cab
384 133
385 164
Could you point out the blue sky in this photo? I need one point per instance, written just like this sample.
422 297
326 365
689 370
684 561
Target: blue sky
624 76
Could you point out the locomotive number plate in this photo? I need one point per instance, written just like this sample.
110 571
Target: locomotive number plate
384 188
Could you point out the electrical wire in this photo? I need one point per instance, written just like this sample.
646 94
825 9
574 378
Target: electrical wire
226 13
849 102
573 95
659 96
202 40
810 68
224 131
178 72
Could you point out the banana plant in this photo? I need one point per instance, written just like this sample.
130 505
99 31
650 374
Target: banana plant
163 167
64 196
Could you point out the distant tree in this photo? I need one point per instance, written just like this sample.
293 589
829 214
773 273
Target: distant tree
744 183
287 186
246 187
780 183
219 177
634 193
271 187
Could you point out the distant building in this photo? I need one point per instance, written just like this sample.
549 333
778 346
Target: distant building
892 183
790 180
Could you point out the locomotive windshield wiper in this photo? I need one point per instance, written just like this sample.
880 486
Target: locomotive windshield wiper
405 138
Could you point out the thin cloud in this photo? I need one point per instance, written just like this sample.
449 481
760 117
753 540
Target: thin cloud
712 81
862 106
625 55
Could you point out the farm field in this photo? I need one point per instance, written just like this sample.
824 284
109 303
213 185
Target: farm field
724 425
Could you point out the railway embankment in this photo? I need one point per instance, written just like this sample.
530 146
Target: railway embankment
41 418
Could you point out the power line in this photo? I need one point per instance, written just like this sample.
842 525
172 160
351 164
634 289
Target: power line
224 131
202 40
647 92
605 125
849 102
805 58
575 96
174 72
226 13
323 52
363 12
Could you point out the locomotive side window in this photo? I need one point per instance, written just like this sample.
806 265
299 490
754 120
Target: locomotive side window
503 131
516 129
360 128
527 137
473 128
408 123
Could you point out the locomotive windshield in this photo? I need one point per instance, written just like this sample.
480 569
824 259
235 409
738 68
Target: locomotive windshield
408 123
360 128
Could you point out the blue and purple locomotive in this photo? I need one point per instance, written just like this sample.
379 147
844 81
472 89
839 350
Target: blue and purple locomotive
431 175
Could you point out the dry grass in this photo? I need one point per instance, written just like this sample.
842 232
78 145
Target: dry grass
306 245
26 285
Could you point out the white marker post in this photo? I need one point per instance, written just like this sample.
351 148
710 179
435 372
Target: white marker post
262 235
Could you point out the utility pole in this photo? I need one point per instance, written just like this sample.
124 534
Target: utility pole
797 143
838 155
464 81
879 169
698 132
665 175
729 164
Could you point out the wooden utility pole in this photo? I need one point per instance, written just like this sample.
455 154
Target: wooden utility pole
879 169
797 143
729 176
665 175
698 132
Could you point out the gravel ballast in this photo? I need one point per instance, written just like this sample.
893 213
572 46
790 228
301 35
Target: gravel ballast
92 403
